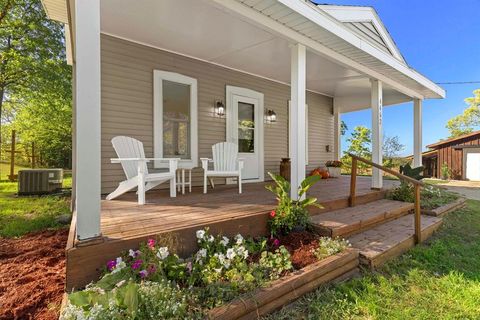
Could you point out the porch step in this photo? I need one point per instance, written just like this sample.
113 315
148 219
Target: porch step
351 220
391 239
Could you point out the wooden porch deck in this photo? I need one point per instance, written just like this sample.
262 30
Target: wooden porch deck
124 223
125 219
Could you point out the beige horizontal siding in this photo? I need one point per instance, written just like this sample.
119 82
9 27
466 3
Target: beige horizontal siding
127 106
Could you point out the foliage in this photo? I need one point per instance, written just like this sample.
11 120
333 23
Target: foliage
391 149
333 163
21 215
415 173
129 300
278 261
431 197
290 213
343 128
436 280
445 171
468 120
35 80
359 144
328 247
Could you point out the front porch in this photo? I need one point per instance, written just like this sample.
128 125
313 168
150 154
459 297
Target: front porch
124 223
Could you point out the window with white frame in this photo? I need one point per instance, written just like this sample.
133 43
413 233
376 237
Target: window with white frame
175 118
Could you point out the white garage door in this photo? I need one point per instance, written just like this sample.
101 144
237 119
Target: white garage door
473 166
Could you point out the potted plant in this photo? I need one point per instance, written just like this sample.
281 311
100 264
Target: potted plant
334 168
290 215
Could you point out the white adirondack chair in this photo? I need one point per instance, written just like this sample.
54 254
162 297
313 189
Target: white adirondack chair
132 158
225 164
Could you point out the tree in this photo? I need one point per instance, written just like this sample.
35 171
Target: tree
29 45
35 80
343 128
467 121
359 144
391 149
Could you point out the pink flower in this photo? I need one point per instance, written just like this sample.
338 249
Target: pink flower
143 274
111 265
151 269
151 243
272 214
276 242
137 264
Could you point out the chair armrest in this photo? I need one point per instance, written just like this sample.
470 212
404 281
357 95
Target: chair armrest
118 160
205 162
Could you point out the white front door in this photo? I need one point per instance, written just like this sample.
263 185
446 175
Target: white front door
245 128
473 165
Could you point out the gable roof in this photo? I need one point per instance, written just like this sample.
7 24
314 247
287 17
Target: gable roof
465 136
366 23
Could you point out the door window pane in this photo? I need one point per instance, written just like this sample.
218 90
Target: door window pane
176 120
246 127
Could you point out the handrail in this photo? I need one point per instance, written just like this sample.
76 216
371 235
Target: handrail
417 184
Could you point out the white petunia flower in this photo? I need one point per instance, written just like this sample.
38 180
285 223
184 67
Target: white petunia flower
202 253
163 253
239 238
218 270
224 241
211 238
230 253
200 234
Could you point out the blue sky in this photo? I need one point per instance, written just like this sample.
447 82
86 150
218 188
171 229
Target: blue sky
441 40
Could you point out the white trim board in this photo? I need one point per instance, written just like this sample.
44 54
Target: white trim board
158 77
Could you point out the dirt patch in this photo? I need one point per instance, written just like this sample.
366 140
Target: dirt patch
32 275
301 246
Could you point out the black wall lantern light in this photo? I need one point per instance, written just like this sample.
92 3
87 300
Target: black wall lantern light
219 108
271 116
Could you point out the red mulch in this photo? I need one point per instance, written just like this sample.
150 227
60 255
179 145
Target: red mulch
301 246
32 275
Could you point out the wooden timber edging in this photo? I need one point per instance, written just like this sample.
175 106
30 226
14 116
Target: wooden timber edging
289 288
441 211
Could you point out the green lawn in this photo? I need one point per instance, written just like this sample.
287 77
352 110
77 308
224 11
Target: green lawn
439 279
21 215
5 170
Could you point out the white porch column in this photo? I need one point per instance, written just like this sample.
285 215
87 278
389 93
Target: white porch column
297 129
337 134
87 118
377 132
417 133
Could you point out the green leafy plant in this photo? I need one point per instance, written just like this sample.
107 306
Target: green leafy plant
445 171
430 197
276 263
328 247
415 173
290 213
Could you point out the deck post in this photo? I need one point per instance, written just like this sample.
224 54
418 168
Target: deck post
417 133
377 132
87 118
337 135
297 128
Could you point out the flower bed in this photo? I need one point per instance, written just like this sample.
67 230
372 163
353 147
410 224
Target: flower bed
152 282
446 208
430 198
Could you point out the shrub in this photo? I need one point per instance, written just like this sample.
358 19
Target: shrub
445 171
290 214
430 197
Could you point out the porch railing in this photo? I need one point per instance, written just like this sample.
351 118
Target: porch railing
417 185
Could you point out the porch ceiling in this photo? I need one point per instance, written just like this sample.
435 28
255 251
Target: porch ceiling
206 31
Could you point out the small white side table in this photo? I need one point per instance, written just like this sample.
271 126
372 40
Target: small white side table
181 183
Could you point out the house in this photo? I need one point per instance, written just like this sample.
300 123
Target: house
289 67
460 155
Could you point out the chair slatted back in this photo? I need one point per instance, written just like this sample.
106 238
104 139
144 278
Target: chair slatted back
225 156
127 147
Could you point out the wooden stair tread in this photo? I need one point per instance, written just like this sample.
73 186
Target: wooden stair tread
391 238
351 220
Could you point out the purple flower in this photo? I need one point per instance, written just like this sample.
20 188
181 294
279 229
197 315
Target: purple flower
143 274
276 242
111 265
151 243
137 264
